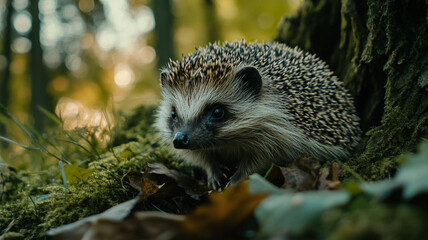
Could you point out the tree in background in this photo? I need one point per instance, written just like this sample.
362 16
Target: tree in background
39 78
380 50
164 31
7 52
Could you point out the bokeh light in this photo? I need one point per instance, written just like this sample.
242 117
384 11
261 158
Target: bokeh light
47 7
145 19
122 30
147 55
22 22
50 31
19 5
106 38
86 5
123 76
21 45
52 58
76 115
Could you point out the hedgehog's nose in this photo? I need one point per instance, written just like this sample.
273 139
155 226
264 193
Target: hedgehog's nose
181 141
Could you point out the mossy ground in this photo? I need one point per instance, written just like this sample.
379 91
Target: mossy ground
36 204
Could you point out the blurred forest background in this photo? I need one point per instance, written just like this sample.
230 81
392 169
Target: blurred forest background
87 59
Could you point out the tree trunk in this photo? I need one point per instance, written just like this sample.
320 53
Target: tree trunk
164 31
7 51
379 48
39 80
211 22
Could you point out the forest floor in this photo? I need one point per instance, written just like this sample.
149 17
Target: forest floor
132 186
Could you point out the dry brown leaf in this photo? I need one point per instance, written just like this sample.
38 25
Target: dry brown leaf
308 164
76 230
143 182
225 213
159 182
192 187
135 179
141 225
335 170
297 179
325 184
305 174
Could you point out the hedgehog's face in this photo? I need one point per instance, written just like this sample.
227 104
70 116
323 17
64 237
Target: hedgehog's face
204 114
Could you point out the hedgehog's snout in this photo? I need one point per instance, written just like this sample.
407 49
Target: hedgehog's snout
181 141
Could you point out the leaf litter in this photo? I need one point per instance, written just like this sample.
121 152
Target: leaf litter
221 218
284 206
219 215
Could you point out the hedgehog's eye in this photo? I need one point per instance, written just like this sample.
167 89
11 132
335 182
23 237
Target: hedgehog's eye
174 114
217 113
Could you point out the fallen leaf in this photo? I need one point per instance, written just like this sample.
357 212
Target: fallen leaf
141 225
135 179
323 183
76 230
144 184
159 183
286 211
192 187
297 179
223 216
308 164
335 170
305 174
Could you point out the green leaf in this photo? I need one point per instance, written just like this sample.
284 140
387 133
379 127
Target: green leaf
50 115
19 144
412 177
64 177
287 211
3 109
414 173
19 124
381 189
257 184
42 197
42 141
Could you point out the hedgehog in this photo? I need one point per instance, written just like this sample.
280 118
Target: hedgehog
244 106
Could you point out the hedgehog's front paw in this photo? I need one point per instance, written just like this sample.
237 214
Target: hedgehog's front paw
213 181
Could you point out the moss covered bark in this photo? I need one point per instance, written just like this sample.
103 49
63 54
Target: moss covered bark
380 50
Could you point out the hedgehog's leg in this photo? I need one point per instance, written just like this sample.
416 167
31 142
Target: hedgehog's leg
245 169
213 179
214 173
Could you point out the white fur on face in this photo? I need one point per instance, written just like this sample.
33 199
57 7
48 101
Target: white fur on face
259 123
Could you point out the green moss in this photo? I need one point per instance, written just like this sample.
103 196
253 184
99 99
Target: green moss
42 206
11 236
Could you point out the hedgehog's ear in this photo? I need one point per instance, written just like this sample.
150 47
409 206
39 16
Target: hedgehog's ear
250 78
164 77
